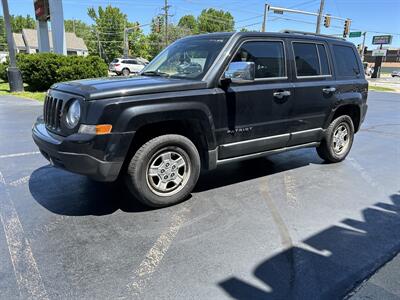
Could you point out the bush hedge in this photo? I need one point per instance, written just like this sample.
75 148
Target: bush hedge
41 70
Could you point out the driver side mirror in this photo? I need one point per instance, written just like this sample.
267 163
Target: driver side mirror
240 71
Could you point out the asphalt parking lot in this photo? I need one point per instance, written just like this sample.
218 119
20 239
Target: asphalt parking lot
282 227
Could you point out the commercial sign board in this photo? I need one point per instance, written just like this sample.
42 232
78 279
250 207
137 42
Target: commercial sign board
382 39
379 52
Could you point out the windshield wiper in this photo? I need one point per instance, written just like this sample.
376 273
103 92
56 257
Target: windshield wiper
155 73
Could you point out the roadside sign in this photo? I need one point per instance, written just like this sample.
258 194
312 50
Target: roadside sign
381 39
379 52
355 34
278 11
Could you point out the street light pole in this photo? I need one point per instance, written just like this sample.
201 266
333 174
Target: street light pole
320 12
363 46
14 74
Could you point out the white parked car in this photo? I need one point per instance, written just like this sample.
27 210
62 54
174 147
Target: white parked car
126 66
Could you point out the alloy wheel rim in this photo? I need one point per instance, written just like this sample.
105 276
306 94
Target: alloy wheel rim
167 172
341 138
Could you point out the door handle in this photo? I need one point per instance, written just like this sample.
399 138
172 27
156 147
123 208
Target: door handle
280 95
329 90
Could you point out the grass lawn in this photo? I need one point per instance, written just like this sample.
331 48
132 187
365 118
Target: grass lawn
5 90
380 89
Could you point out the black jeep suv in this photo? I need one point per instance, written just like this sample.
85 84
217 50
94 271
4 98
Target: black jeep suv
205 101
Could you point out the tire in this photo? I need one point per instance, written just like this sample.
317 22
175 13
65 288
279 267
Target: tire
156 160
329 149
126 72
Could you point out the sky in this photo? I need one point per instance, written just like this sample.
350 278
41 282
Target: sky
374 16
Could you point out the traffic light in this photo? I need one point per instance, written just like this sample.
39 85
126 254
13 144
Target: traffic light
158 24
346 29
327 21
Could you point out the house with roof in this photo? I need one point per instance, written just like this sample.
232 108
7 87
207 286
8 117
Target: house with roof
27 42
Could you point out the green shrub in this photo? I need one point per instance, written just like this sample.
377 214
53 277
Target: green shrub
3 71
42 70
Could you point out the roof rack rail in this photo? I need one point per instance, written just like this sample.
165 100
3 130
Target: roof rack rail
311 33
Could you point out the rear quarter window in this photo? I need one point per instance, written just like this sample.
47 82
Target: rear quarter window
346 63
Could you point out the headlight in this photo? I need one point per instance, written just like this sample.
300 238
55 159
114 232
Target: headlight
73 114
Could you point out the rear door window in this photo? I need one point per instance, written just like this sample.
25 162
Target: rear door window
345 61
311 59
306 58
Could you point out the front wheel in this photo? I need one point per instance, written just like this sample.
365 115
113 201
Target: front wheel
338 140
164 170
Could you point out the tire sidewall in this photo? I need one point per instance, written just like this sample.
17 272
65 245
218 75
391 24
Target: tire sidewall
329 138
137 181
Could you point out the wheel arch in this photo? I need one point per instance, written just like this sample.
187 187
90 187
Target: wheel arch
352 110
190 120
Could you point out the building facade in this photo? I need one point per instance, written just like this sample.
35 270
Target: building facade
27 42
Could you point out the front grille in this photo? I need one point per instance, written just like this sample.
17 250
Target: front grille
52 112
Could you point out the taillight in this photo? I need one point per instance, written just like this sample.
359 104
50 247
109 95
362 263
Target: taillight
116 65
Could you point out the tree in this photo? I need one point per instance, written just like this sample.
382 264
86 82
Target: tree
79 27
189 22
138 42
20 22
109 29
212 20
157 35
84 31
17 24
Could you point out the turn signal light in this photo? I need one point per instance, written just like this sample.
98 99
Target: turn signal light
103 129
95 129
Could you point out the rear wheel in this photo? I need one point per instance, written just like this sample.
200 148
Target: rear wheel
338 140
164 170
125 72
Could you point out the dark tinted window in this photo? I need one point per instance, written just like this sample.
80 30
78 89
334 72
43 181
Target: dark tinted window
323 59
268 57
346 61
307 63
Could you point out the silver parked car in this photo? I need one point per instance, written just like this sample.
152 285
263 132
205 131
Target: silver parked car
396 73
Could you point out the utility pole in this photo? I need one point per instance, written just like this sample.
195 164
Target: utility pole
126 45
320 13
266 9
166 15
98 42
13 73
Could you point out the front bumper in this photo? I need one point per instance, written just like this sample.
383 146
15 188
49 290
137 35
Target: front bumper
99 157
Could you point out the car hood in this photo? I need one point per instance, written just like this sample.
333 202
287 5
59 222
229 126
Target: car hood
109 87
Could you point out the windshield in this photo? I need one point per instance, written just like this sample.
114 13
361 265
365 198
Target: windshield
187 58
